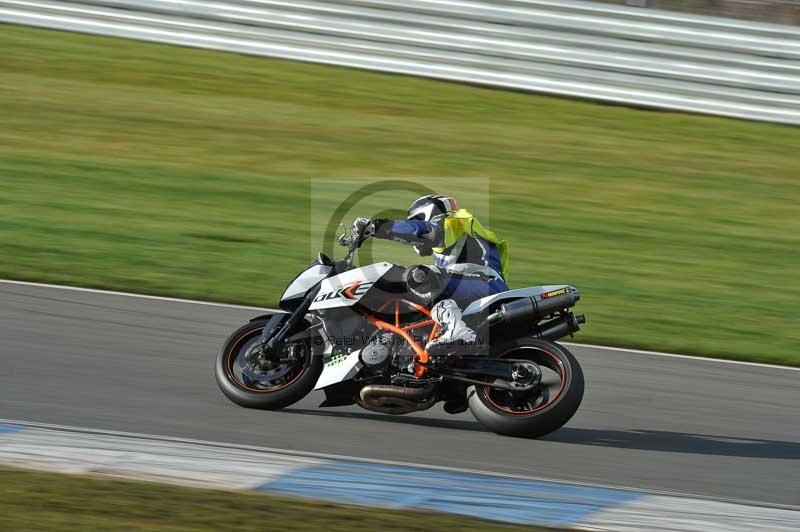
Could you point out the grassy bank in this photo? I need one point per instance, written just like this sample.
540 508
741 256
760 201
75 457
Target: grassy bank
185 172
32 501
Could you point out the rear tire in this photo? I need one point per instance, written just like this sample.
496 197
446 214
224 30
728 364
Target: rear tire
544 414
256 395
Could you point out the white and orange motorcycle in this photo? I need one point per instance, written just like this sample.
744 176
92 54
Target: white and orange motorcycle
359 335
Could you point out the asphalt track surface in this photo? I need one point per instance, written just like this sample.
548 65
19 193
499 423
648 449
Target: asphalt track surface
145 365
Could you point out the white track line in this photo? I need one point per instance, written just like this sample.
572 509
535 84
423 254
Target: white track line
129 294
689 357
228 305
330 456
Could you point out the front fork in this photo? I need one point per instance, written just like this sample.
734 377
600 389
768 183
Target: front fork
272 342
275 323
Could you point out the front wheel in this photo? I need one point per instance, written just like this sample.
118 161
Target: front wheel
541 410
271 386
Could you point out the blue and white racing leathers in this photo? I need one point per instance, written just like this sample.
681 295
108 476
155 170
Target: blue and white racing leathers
471 260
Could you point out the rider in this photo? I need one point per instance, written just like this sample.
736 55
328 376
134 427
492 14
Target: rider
470 260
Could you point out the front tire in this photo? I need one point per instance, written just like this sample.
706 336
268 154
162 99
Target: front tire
292 385
534 414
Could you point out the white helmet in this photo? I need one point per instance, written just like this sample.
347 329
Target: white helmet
427 207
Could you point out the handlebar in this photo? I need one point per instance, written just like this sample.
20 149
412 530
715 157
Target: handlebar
352 244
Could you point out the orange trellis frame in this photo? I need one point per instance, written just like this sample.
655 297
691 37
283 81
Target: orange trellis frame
422 357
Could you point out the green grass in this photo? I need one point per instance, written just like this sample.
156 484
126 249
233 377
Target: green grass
186 172
32 501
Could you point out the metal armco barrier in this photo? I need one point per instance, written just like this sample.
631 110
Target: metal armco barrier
609 53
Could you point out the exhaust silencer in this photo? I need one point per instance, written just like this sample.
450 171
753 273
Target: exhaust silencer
526 311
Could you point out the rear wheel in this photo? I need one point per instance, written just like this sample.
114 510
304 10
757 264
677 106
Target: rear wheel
538 411
252 382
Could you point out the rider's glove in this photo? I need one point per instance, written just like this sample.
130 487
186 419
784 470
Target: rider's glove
362 229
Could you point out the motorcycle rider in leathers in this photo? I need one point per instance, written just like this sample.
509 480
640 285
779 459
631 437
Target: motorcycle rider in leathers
471 262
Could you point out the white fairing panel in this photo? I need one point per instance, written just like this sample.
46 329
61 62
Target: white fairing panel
305 281
339 368
347 288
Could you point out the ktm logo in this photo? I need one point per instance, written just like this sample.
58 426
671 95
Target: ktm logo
350 291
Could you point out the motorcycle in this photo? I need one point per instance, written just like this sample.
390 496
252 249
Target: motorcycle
359 335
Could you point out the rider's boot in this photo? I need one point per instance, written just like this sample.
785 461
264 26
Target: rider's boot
454 335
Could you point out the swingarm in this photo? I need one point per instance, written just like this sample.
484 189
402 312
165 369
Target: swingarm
500 373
